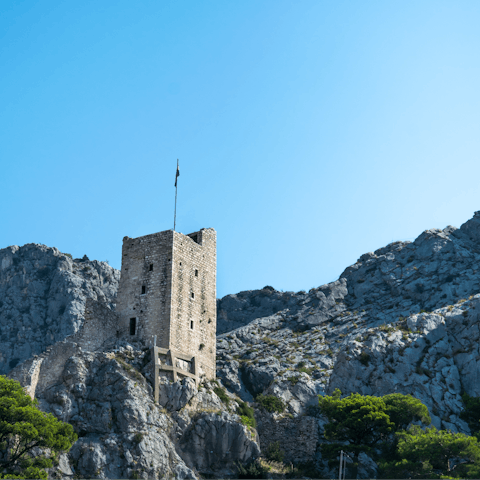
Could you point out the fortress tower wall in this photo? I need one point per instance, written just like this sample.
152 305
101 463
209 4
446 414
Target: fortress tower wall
194 306
144 291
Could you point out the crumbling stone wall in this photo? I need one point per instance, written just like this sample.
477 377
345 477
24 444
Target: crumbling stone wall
297 436
100 324
45 370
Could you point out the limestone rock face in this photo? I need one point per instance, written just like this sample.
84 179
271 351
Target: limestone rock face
234 311
123 433
214 442
176 396
401 319
42 298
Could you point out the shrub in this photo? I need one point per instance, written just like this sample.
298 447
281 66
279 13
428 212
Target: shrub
270 403
138 437
364 358
222 395
471 413
245 413
274 453
249 422
251 470
306 370
294 380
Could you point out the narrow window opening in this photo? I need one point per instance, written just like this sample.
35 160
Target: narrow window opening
144 289
180 263
193 295
196 273
133 326
191 324
151 267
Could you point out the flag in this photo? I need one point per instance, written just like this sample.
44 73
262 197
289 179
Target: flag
177 174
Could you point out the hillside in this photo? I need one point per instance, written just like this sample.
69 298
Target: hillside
401 319
404 319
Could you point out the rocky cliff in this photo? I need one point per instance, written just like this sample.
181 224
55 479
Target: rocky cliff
401 319
42 298
108 398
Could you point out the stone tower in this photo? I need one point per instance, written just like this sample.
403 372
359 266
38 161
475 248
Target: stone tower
167 290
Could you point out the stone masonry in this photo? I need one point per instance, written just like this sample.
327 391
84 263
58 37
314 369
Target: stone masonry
297 437
167 297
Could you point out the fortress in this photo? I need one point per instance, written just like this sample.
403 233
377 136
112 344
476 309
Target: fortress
167 296
166 300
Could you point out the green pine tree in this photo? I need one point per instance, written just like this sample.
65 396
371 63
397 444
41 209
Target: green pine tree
23 427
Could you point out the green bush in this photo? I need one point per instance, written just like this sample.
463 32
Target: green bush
251 470
249 422
138 437
306 370
270 403
294 380
245 411
222 395
364 358
274 453
471 413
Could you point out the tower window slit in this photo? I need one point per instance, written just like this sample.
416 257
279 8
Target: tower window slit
133 326
144 289
151 267
196 273
191 324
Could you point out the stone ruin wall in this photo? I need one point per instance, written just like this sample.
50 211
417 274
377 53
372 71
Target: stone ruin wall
297 437
45 370
100 325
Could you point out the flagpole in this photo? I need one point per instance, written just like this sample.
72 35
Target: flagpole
175 214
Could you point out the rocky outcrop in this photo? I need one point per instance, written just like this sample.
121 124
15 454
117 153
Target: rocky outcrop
42 298
122 432
402 319
216 441
234 311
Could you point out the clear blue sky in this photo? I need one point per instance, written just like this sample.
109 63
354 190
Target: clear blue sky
308 132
